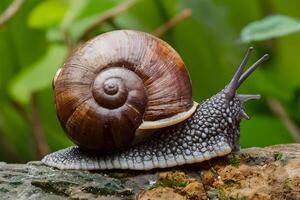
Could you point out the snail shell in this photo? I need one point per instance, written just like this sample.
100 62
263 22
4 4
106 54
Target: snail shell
117 83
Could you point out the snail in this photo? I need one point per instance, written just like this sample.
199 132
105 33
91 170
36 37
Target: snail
125 98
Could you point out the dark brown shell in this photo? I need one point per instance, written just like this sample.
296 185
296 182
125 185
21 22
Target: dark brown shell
145 69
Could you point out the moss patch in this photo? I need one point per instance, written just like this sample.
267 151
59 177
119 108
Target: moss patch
234 160
279 156
178 184
115 187
172 180
57 187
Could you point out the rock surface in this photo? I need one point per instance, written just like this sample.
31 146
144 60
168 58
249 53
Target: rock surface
255 173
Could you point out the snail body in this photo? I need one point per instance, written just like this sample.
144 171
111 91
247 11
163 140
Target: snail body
125 98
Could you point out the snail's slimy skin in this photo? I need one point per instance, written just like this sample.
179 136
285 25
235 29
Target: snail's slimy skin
213 130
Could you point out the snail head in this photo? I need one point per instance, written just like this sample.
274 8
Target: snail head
226 108
239 77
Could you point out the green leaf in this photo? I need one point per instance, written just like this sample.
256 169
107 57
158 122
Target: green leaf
15 132
38 76
78 27
76 8
55 35
91 12
270 27
48 13
58 33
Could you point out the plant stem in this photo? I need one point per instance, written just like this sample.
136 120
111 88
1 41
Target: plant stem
109 14
10 11
37 130
172 22
278 109
9 150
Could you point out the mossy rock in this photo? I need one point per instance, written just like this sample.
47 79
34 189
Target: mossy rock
255 173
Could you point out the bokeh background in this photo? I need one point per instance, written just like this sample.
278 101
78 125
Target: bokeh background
210 35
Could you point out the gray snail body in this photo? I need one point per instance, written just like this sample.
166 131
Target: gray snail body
188 133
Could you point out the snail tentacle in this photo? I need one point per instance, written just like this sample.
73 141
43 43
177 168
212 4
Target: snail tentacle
252 68
234 82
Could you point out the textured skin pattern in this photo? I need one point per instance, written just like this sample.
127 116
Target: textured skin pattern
212 131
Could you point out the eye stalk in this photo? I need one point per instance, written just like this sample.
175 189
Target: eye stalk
239 77
246 97
251 69
243 98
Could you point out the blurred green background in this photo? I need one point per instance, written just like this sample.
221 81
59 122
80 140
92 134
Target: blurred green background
212 41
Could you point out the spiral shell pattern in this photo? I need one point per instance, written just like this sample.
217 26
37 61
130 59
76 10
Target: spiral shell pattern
113 83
